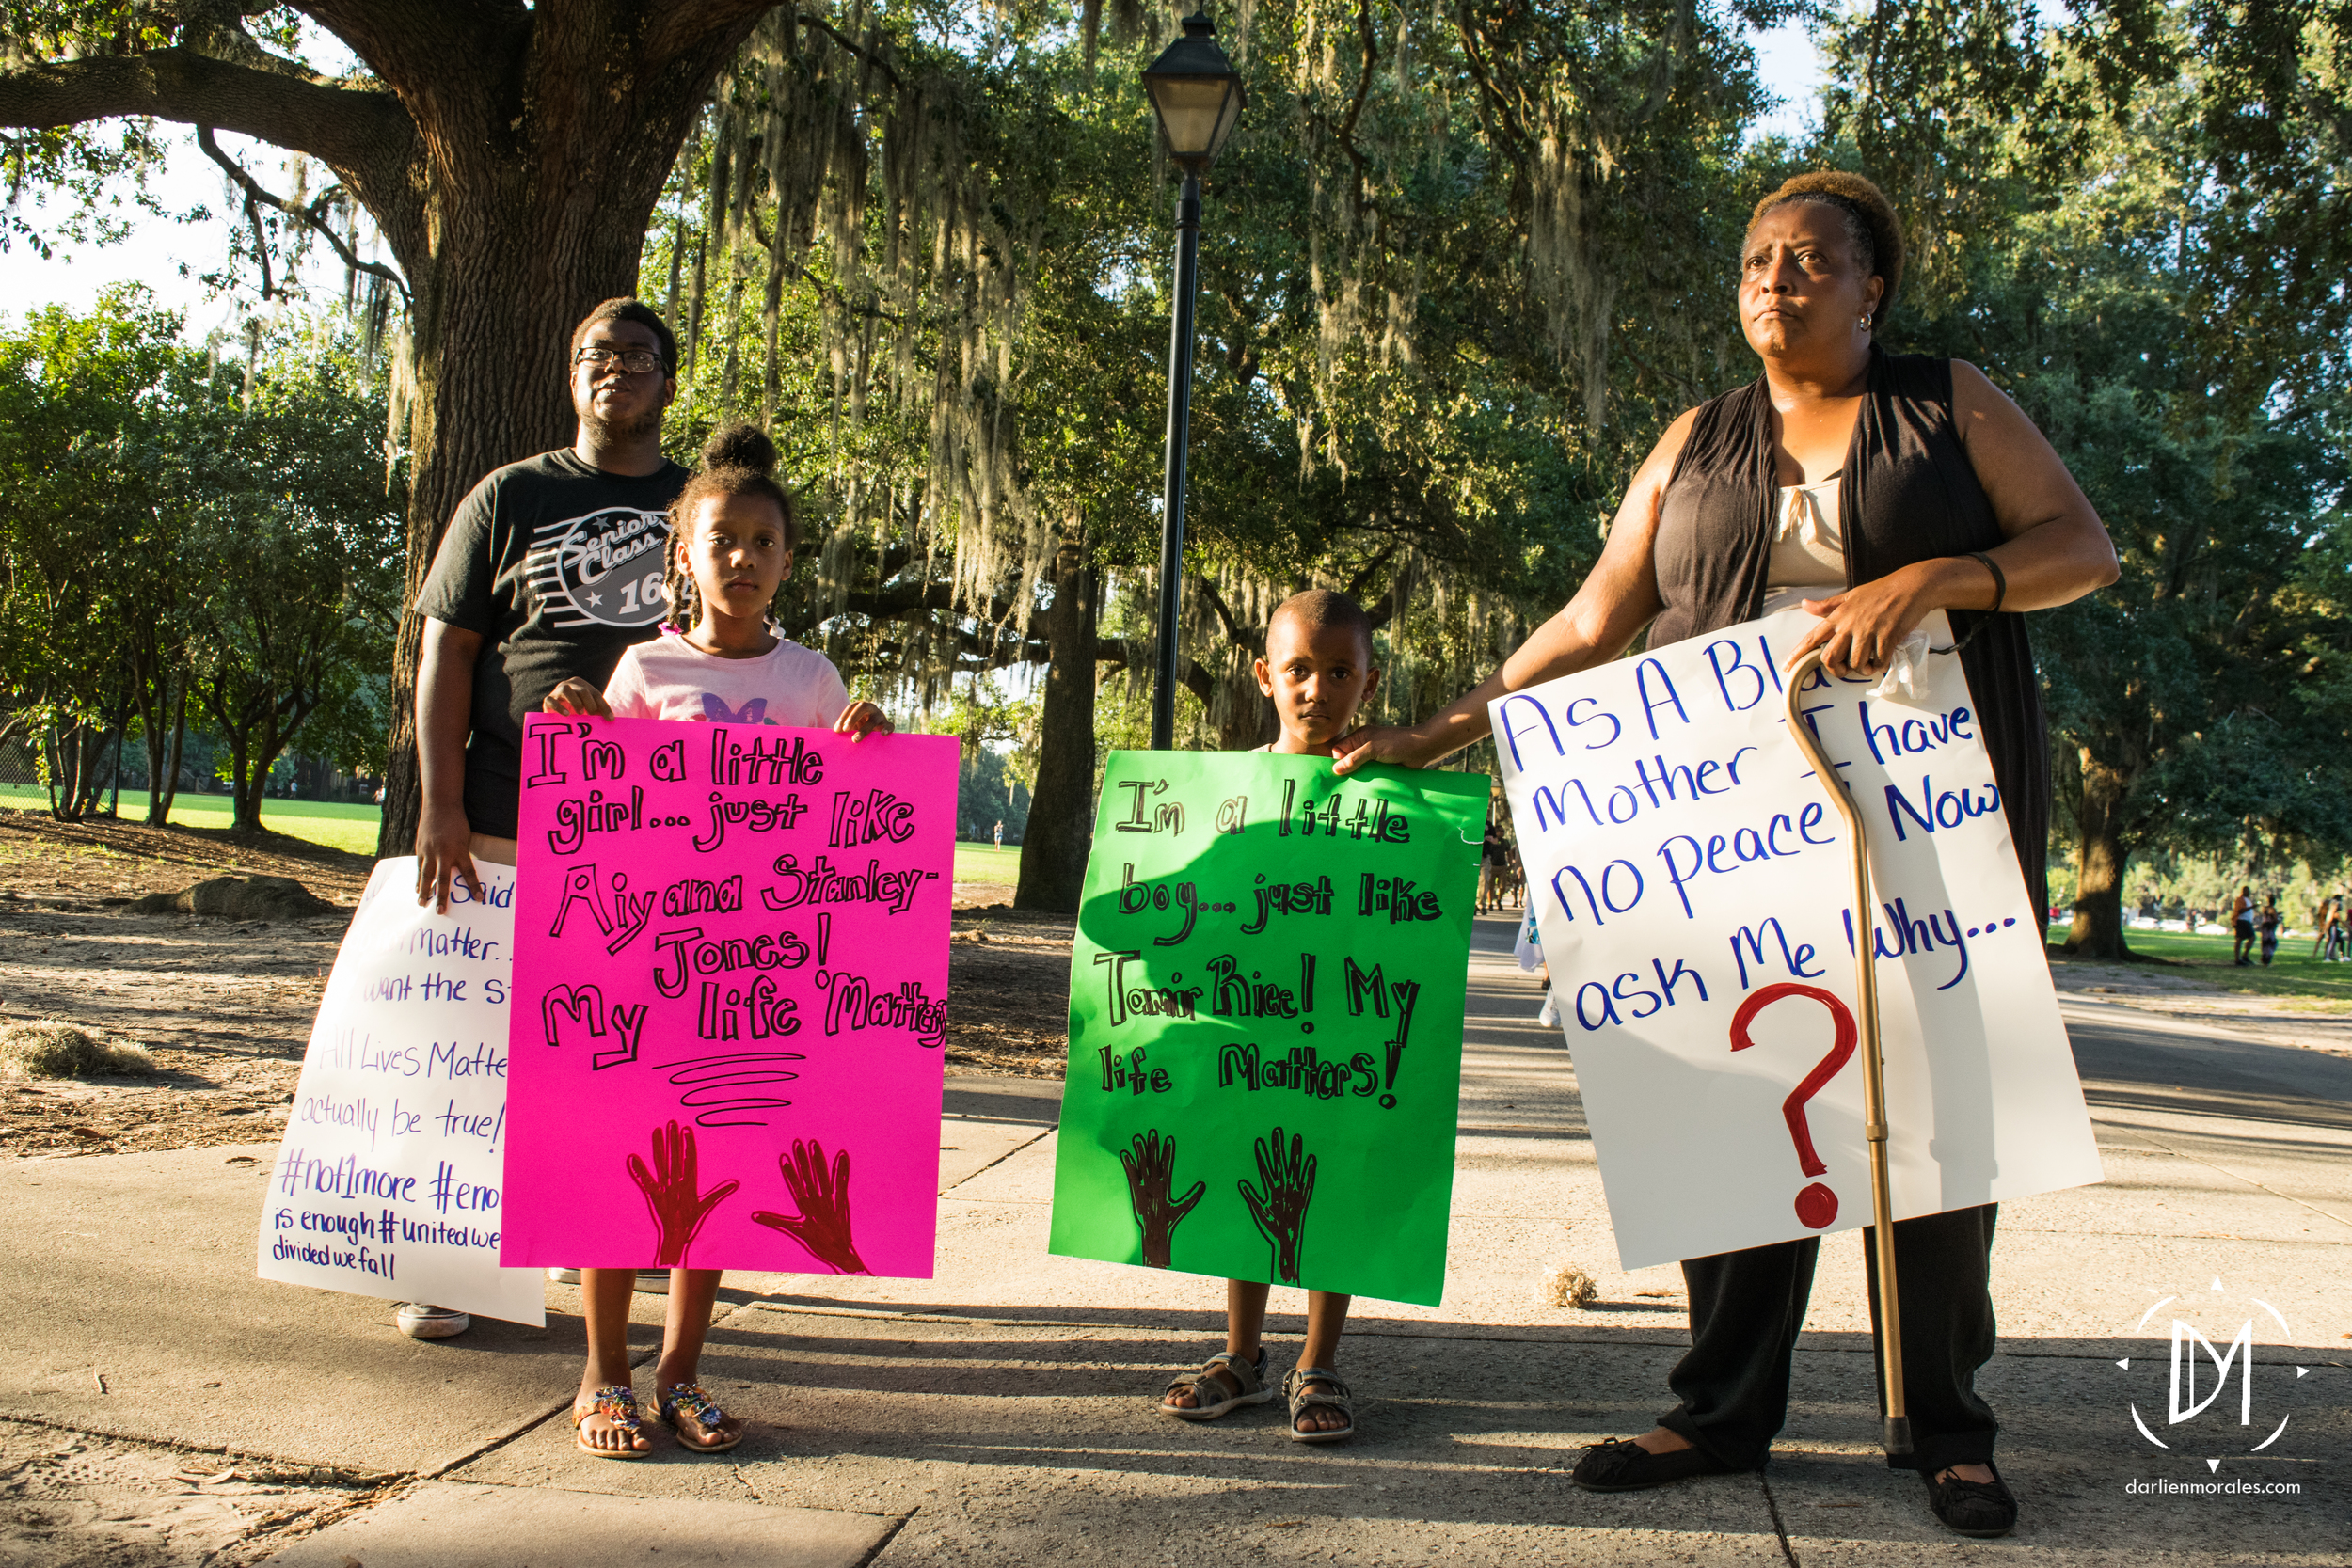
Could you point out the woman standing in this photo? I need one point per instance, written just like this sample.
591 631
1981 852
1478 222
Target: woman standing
1873 488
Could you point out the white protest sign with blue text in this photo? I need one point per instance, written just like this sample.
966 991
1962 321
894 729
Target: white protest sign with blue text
391 1177
1693 889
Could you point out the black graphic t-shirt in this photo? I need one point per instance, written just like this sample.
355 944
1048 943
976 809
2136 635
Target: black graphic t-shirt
558 566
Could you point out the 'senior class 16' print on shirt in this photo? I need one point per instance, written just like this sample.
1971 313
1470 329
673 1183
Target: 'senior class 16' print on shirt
604 568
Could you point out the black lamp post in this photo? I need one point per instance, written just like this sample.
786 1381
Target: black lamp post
1196 92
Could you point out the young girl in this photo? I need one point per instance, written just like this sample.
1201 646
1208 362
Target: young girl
732 530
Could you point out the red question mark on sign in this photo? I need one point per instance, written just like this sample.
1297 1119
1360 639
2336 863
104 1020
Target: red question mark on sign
1817 1206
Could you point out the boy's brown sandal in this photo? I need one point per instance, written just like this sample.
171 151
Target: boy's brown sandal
1208 1386
1333 1397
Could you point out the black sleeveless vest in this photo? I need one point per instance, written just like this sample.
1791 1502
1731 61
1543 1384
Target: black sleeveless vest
1908 494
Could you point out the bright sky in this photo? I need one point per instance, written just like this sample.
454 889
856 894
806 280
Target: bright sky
1791 68
171 257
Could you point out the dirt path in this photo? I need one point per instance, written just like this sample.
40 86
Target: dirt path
2317 1025
226 1005
1009 989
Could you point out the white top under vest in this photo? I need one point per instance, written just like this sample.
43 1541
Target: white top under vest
1808 558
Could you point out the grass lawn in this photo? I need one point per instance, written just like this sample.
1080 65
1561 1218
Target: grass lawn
985 863
353 828
2295 978
335 825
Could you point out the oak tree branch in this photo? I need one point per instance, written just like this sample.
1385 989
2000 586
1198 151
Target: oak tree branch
314 215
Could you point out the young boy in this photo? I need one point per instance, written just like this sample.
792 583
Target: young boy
1318 669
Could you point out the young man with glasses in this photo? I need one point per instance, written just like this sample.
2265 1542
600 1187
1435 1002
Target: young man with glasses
551 567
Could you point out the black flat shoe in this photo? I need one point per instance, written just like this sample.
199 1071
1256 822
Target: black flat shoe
1973 1507
1625 1465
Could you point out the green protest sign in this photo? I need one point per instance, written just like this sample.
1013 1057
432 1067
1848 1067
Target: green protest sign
1265 1021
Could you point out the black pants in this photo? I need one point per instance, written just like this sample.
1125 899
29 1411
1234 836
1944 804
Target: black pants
1747 1306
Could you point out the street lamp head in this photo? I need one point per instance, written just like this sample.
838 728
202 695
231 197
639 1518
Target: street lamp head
1196 92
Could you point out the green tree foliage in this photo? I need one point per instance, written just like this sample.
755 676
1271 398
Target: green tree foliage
299 545
89 540
1456 271
184 535
1459 266
2134 223
508 154
998 735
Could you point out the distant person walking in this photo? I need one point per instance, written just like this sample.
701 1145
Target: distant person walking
2268 926
2321 920
1490 868
2333 936
2242 927
1000 832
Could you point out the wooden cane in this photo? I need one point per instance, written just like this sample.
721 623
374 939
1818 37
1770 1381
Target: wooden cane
1897 1437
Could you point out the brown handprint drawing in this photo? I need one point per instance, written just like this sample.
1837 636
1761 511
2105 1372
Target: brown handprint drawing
1281 1210
670 1188
823 1195
1150 1187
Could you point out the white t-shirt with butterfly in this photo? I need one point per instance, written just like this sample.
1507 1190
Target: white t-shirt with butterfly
670 678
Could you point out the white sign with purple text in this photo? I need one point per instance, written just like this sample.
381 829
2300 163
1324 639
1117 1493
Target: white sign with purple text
391 1178
1693 889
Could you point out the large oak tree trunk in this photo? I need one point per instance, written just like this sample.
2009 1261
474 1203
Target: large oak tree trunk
536 195
2099 853
1060 829
1251 721
1247 720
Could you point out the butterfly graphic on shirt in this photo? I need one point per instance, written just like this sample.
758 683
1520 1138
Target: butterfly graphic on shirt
716 711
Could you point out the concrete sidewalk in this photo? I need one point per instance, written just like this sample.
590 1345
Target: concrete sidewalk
1005 1408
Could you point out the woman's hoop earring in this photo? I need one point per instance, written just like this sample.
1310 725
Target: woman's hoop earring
1864 322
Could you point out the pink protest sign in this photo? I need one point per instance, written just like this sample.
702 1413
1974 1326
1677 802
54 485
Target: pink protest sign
730 983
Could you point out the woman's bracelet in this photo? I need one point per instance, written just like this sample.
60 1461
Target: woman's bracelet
2000 593
2000 580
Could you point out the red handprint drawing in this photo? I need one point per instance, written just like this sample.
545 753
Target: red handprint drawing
823 1195
1152 1188
670 1187
1281 1210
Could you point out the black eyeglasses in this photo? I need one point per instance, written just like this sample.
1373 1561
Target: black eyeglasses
637 361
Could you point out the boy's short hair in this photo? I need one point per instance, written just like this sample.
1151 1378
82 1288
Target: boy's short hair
1321 610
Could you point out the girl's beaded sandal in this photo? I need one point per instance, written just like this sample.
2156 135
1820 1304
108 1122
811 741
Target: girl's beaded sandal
700 1408
616 1402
